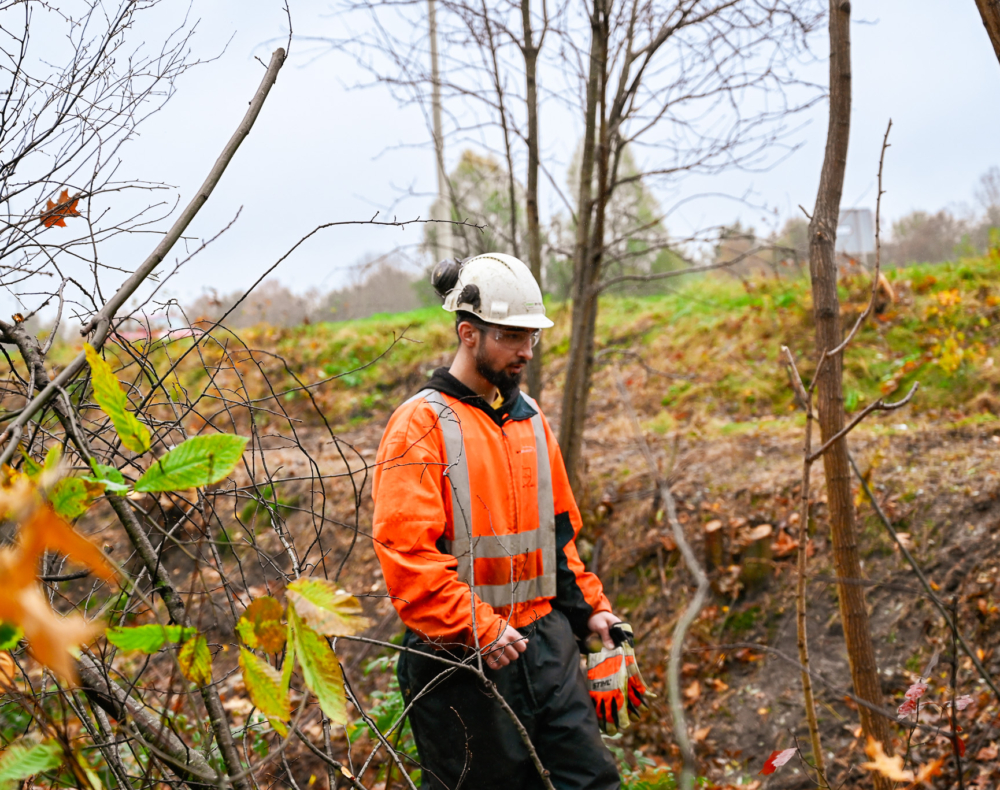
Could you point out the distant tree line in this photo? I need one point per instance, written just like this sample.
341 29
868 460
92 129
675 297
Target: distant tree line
392 284
917 237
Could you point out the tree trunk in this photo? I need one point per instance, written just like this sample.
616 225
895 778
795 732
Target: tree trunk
990 11
577 384
442 230
505 128
823 271
531 199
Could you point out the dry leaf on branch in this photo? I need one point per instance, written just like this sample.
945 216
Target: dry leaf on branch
55 213
776 760
50 636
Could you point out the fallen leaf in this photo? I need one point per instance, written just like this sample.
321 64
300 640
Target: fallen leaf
784 544
693 692
931 769
55 213
701 734
889 767
987 753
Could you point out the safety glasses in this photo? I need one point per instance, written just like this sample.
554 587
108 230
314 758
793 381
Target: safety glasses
512 339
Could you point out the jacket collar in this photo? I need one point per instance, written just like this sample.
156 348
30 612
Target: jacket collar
514 406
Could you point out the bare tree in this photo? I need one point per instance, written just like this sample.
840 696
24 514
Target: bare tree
829 382
651 69
93 439
530 48
990 12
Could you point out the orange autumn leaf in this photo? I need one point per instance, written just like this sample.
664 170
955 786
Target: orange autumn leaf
55 213
50 636
8 669
926 772
889 767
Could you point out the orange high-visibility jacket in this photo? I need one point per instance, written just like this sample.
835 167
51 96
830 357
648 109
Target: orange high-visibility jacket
446 459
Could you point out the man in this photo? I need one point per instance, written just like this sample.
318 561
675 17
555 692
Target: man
475 526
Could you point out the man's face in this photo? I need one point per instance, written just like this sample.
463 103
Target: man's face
501 360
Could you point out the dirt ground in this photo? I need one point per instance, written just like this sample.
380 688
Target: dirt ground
939 482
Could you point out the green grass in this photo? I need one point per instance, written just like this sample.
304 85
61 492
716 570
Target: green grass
722 336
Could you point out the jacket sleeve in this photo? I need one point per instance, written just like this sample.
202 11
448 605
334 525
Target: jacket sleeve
410 520
579 594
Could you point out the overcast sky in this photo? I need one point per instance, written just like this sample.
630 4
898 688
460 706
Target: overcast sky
322 151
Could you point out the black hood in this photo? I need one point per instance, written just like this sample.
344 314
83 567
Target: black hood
514 407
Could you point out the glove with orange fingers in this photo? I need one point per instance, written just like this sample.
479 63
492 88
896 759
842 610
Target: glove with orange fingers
607 682
636 689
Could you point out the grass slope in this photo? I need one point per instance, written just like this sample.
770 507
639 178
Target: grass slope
719 339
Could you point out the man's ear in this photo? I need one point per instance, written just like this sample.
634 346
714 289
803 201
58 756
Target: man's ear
468 334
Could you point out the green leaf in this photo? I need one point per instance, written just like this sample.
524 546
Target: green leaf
112 399
326 609
147 638
320 669
260 625
23 759
30 467
288 667
199 461
107 476
52 458
263 683
10 635
70 498
196 661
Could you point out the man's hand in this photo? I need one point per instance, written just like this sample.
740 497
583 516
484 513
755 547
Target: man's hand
599 624
506 649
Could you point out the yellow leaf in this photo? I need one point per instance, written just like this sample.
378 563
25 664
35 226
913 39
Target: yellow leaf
326 609
263 684
260 625
196 661
320 669
112 399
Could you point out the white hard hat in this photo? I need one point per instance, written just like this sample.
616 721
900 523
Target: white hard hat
496 287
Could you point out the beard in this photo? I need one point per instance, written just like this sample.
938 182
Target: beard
501 379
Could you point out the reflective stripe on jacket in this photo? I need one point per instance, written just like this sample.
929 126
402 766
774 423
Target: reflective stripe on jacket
448 459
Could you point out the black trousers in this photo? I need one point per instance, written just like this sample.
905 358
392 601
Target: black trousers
465 738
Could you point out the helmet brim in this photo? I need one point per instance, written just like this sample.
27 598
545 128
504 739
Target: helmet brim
525 321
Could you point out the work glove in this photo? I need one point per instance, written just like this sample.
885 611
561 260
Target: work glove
607 682
636 689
